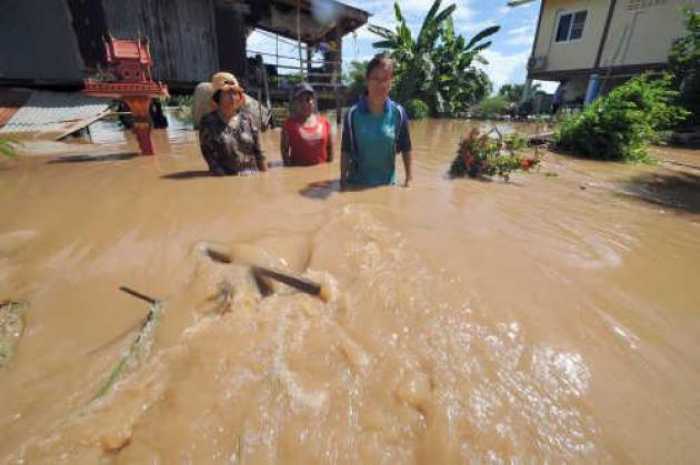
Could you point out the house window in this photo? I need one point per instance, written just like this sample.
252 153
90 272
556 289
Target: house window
571 26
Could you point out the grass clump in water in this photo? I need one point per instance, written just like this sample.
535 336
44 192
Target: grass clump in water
8 146
11 329
621 125
139 348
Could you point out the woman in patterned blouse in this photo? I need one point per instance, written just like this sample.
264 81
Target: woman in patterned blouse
228 138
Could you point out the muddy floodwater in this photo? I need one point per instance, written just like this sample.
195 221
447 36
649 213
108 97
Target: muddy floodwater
553 319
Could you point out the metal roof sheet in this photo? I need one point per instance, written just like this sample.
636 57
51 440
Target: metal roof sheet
54 112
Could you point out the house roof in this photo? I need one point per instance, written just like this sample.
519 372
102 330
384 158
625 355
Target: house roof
279 17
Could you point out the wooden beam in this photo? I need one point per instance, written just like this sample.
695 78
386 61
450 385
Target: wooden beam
611 12
537 34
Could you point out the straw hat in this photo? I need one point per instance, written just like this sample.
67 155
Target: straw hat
224 81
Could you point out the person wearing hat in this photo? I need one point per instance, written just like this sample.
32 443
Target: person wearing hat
228 138
306 135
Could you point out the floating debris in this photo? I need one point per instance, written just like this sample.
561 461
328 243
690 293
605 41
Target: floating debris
138 348
482 155
11 329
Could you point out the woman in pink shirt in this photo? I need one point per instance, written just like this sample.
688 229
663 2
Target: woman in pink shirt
306 135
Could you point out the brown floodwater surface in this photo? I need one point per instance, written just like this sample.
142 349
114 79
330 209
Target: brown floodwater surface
552 319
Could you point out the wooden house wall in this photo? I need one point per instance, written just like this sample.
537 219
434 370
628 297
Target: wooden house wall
182 34
231 39
37 42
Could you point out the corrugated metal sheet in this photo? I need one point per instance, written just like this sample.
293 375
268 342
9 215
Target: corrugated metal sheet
54 113
10 101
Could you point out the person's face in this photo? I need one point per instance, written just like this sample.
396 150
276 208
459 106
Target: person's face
306 104
379 81
231 100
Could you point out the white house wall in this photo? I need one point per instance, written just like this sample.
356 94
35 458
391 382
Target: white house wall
577 54
643 31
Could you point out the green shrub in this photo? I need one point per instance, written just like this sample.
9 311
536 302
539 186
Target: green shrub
622 124
184 105
417 109
684 61
493 106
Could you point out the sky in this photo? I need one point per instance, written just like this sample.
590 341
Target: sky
507 56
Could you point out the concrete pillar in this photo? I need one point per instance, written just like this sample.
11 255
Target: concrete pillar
526 91
593 89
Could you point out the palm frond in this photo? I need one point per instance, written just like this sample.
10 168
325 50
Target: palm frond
482 35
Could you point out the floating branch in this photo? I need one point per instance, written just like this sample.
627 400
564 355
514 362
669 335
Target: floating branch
140 344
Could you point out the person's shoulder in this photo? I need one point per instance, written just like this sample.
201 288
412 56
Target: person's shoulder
352 110
399 108
401 116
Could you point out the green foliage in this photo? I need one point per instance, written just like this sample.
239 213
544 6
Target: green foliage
684 61
8 146
355 79
620 125
180 101
183 112
437 65
514 92
417 109
482 155
493 106
137 350
11 329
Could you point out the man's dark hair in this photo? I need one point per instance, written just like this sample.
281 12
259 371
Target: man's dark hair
380 59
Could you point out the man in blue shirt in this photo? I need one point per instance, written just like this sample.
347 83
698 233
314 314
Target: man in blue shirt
374 131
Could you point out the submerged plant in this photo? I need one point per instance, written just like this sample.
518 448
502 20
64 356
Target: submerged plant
139 348
482 155
8 146
11 329
622 124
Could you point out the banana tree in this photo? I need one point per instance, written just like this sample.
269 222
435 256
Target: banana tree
457 83
436 66
413 56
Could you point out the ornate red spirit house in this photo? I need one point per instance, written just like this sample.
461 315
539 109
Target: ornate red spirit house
129 62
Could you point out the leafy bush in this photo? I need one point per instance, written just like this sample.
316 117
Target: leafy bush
684 61
622 124
417 109
493 106
184 108
355 79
